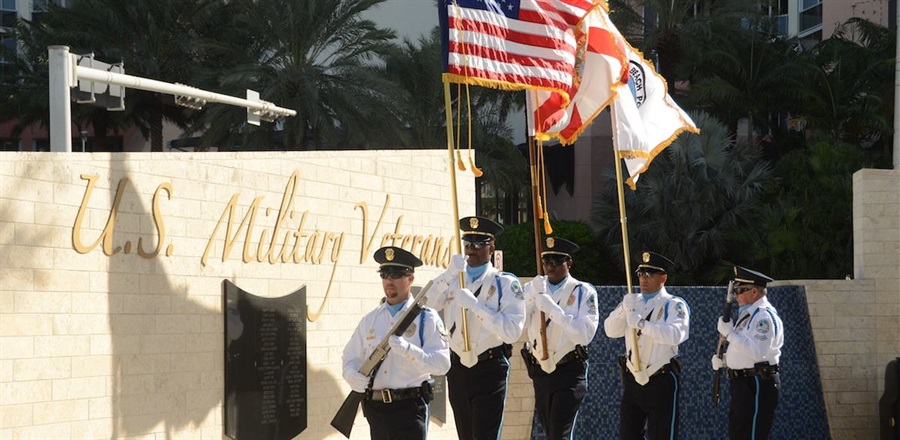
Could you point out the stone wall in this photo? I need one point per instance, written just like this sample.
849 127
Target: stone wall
111 326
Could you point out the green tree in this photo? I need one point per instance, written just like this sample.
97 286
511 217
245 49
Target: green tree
590 263
25 97
318 57
807 220
848 93
696 204
416 67
751 78
154 38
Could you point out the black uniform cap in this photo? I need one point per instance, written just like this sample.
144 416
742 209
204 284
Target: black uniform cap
479 228
392 258
653 261
558 246
742 275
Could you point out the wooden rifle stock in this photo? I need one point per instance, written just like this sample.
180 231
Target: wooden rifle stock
720 348
346 414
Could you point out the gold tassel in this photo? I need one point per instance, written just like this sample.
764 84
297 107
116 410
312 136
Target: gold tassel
475 170
547 228
459 162
540 207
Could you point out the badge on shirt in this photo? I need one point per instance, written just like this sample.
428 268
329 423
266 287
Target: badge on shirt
571 299
517 289
411 330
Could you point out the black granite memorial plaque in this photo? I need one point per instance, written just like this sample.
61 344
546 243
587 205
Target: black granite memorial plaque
265 365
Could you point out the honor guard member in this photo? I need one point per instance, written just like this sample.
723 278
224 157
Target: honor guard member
751 356
658 322
398 393
494 307
570 309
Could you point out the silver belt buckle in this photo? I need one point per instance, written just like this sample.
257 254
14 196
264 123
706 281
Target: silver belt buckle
386 396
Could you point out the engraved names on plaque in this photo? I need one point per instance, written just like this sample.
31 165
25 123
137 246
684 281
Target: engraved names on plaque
265 365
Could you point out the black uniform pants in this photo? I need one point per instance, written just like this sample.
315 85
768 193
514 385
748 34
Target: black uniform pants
477 396
752 408
399 420
558 397
655 405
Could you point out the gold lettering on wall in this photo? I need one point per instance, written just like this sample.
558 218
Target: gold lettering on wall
106 237
278 242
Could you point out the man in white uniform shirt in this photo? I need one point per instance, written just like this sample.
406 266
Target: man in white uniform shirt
752 356
570 309
494 306
658 322
398 394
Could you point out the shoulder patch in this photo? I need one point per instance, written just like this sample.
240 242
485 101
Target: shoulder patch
680 309
592 303
441 329
762 329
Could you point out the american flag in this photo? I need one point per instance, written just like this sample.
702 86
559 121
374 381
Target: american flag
511 44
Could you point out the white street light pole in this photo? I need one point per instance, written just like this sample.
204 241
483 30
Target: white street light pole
65 74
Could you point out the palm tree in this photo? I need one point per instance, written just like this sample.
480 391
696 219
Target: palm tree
318 57
25 81
416 67
848 93
154 38
753 77
696 203
807 220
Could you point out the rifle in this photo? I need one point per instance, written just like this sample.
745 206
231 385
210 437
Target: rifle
720 348
346 414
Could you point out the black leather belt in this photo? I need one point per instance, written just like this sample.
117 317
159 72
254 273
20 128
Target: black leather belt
671 366
491 353
569 357
765 372
388 396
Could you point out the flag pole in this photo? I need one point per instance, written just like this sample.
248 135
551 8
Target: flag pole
536 203
455 243
623 220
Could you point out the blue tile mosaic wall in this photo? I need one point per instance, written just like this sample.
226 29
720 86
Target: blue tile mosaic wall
801 408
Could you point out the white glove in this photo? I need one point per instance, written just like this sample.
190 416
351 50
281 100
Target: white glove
457 265
724 328
465 298
717 363
398 345
545 302
539 284
357 381
632 319
629 302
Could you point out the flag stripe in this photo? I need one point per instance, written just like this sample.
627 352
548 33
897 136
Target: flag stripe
511 79
516 44
469 31
485 47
